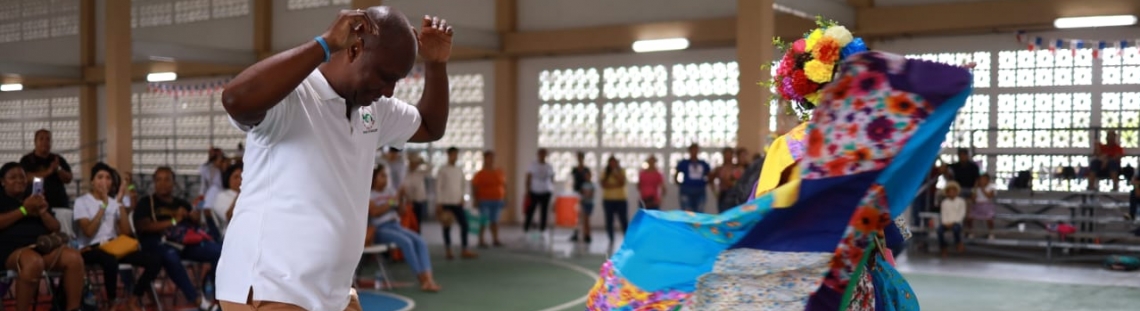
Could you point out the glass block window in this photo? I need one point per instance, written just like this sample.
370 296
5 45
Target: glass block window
634 124
464 128
1122 110
568 125
708 123
37 19
1044 68
189 11
706 79
465 123
635 82
310 4
1120 67
151 13
1046 170
981 72
971 127
568 84
466 89
177 130
1059 120
564 161
20 119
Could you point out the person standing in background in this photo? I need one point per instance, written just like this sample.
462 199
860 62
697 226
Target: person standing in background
211 177
723 178
449 181
692 176
965 172
50 167
414 188
581 176
614 201
397 169
539 186
651 185
489 187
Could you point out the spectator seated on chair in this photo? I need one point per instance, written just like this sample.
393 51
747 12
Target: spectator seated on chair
24 218
101 219
167 227
384 214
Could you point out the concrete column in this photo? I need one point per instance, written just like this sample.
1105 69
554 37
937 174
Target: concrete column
506 129
117 61
755 26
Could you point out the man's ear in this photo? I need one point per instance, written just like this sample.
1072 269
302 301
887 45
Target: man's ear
355 49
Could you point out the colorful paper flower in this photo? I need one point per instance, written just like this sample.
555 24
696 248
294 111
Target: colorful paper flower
812 39
799 46
802 84
826 50
818 71
840 34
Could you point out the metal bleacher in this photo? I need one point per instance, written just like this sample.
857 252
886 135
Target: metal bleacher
1023 221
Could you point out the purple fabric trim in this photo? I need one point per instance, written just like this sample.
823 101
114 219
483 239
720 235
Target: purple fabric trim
934 81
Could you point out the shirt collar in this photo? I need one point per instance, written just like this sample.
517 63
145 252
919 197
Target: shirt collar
322 87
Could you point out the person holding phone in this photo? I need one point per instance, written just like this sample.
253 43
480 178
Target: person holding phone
314 117
51 168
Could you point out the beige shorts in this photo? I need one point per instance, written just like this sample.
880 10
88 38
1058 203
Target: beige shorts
252 305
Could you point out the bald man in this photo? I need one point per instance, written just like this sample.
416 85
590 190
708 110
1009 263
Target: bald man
314 117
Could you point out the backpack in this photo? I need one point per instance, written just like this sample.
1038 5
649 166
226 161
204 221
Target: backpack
1122 263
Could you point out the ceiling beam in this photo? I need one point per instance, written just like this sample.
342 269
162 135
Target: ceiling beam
476 38
717 32
39 70
185 70
830 9
977 17
154 51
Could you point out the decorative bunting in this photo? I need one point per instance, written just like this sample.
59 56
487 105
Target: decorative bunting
1053 44
177 89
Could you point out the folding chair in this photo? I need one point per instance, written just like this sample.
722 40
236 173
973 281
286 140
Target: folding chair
376 250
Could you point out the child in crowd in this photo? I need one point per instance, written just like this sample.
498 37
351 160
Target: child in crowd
587 202
983 207
953 213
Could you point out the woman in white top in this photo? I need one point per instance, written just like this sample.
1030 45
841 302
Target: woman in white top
211 173
414 188
383 210
224 201
953 213
100 219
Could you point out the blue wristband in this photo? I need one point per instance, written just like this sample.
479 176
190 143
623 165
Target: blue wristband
324 45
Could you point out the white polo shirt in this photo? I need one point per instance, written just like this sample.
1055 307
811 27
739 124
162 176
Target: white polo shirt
298 227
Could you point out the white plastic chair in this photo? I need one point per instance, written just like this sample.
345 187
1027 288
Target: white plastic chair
376 250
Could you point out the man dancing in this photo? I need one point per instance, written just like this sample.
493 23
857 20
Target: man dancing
314 117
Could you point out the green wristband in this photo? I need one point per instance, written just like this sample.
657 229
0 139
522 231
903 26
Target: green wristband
173 221
23 211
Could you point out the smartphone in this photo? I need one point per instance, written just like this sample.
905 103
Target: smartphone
37 185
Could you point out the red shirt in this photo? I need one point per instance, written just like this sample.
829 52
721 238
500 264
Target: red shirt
1112 150
649 183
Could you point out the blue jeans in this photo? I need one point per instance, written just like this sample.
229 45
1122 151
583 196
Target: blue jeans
490 211
957 228
206 252
692 198
412 245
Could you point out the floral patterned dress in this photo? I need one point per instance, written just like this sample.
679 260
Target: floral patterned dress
817 242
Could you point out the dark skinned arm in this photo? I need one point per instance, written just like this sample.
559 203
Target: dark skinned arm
49 221
434 105
124 223
90 226
9 218
250 95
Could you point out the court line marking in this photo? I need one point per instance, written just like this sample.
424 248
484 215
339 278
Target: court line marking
411 304
587 272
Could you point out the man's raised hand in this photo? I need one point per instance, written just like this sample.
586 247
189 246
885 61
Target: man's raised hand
346 29
435 39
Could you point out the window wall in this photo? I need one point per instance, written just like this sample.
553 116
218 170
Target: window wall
1039 111
469 119
24 113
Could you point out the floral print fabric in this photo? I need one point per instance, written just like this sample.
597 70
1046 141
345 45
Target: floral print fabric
749 279
613 292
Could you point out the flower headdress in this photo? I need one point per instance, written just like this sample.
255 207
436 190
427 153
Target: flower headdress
810 63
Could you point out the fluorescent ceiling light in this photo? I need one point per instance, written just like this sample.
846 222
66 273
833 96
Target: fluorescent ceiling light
643 46
1095 21
161 76
11 87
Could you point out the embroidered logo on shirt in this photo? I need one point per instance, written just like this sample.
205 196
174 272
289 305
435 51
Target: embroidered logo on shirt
367 120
